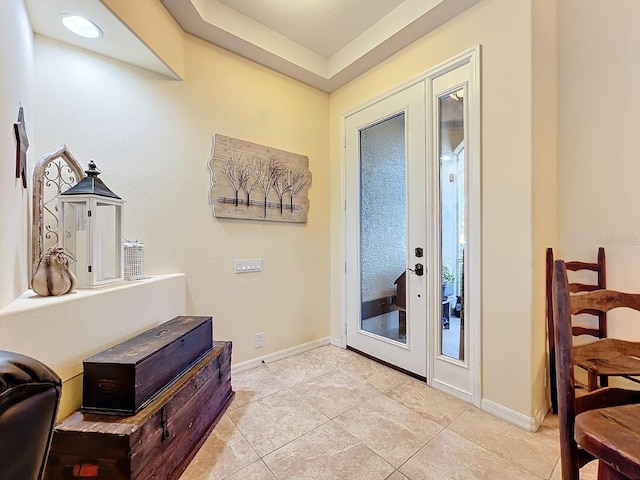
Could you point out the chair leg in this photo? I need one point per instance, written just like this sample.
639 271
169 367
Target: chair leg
552 382
593 378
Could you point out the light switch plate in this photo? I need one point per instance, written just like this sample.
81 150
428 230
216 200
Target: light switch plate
249 265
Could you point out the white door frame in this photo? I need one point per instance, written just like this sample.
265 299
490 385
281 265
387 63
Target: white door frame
473 262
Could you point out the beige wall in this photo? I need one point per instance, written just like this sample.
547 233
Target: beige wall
544 128
504 29
598 115
151 137
16 87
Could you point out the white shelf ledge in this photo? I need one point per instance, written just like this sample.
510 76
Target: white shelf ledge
62 331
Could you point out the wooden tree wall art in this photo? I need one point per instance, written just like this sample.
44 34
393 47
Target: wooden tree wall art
256 182
22 143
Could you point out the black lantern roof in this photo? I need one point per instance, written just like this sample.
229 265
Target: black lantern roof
91 185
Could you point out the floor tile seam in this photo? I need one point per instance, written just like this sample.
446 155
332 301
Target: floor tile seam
310 359
394 472
442 429
422 445
248 465
358 378
332 370
460 414
356 439
417 451
391 386
494 451
379 390
555 465
361 442
425 415
347 410
260 368
293 439
400 405
484 447
296 383
425 443
291 392
257 399
246 440
269 468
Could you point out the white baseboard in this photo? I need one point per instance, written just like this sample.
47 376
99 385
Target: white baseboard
336 342
272 357
516 418
454 392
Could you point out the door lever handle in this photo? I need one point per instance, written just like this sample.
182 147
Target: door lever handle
418 269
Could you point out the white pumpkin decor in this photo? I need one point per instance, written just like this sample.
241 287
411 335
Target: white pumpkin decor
53 276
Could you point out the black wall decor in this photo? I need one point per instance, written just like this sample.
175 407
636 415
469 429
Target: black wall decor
22 143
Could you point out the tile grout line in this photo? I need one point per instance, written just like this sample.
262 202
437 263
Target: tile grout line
497 454
248 443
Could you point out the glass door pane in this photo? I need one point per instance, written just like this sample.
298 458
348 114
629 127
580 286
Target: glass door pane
452 215
383 227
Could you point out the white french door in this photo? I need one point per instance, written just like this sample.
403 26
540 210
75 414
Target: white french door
412 224
385 148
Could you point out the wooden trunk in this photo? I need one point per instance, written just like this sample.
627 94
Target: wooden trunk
158 442
127 377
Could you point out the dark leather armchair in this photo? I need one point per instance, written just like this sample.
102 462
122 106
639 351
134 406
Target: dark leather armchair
29 399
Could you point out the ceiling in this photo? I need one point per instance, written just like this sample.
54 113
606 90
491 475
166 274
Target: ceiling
119 42
323 43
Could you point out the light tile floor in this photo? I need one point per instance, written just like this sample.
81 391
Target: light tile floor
332 414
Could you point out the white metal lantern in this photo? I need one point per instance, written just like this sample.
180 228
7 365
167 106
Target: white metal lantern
91 218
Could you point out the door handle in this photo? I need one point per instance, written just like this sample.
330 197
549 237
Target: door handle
418 269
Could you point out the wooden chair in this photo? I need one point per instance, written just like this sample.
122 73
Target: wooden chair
564 306
599 267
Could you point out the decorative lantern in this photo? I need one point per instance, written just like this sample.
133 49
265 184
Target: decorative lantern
91 219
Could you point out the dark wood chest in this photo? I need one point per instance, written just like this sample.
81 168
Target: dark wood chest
155 444
125 378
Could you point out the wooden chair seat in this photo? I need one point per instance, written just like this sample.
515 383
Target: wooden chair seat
611 357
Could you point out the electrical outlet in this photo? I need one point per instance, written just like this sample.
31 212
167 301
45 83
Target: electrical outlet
249 266
257 340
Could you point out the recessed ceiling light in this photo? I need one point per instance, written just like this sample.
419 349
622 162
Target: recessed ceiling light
81 26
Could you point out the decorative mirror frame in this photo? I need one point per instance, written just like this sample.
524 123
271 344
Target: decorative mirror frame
58 171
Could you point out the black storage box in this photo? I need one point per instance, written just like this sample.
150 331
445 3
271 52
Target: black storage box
127 377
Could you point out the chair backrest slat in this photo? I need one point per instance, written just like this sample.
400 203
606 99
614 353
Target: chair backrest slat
582 287
575 266
603 301
578 330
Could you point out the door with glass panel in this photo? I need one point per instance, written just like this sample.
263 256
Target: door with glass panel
385 226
